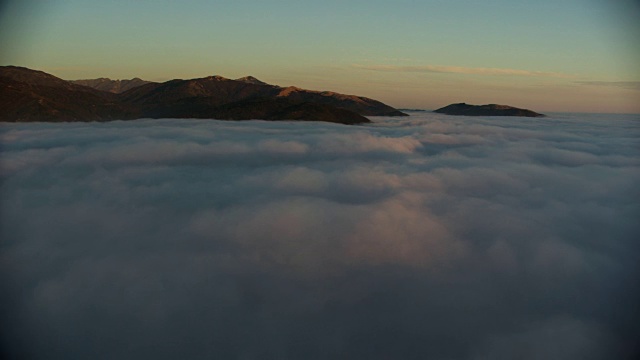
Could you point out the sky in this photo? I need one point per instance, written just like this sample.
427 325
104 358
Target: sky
429 237
548 55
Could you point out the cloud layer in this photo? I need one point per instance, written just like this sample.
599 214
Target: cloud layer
461 70
632 85
427 237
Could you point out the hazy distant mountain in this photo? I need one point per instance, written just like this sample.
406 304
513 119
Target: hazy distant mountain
114 86
30 95
486 110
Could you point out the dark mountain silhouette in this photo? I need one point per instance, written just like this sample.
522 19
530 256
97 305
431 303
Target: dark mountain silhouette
114 86
486 110
279 109
30 95
218 91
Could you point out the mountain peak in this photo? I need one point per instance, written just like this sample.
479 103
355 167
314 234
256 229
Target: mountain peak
251 80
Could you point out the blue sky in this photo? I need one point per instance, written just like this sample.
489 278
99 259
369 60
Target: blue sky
570 55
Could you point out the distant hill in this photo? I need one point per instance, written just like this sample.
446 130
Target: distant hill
486 110
31 95
113 86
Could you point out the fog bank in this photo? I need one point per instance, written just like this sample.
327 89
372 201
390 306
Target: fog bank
433 236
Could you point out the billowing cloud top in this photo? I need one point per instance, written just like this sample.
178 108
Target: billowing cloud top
432 237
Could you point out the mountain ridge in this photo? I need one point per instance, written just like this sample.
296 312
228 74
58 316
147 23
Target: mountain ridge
32 95
113 86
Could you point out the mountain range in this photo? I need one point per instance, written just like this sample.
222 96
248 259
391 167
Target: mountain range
30 95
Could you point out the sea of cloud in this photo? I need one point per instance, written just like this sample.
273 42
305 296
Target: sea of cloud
428 237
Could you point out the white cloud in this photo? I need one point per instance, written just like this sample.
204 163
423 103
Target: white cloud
426 237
